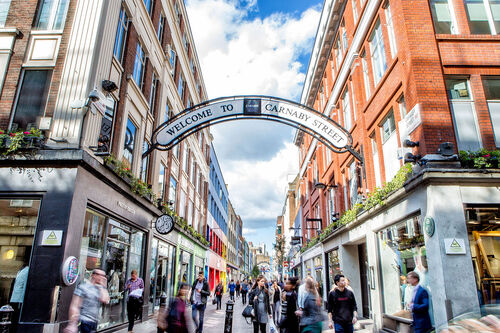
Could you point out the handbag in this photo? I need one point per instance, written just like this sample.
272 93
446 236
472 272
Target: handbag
214 300
248 311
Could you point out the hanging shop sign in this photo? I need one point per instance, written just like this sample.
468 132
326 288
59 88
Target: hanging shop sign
429 226
454 245
52 238
164 224
70 271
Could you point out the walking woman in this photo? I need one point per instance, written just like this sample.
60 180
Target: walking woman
290 322
311 318
259 298
176 314
219 290
275 301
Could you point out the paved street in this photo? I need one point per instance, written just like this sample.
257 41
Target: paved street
214 320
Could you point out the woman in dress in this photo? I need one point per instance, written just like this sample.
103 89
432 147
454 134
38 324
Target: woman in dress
259 299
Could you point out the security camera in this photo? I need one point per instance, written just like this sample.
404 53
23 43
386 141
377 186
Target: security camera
94 96
410 144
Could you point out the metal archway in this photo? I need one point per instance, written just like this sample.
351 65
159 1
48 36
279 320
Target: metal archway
224 109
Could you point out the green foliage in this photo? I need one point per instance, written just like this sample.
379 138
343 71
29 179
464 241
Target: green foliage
374 199
182 223
12 142
481 159
255 271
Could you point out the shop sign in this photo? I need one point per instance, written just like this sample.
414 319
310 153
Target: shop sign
187 244
454 245
164 224
429 226
126 207
70 271
52 238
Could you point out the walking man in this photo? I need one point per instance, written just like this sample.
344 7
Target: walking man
199 294
87 299
342 308
232 288
244 291
135 288
419 305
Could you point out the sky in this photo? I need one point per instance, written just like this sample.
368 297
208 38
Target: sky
259 47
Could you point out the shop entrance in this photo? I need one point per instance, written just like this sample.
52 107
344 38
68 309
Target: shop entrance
363 274
483 225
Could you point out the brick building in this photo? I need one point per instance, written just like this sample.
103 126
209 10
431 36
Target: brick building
388 71
96 77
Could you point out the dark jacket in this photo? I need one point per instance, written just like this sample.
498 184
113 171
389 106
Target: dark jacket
341 304
255 292
291 322
176 317
205 291
420 311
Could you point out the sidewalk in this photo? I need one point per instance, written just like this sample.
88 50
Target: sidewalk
214 320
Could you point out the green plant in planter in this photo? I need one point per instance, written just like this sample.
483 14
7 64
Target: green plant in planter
14 141
481 159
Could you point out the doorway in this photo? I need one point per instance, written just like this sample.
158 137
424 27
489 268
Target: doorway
363 273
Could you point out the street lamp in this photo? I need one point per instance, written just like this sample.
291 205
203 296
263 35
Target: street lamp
323 186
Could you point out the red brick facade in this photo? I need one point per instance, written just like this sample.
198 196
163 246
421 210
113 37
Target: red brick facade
416 71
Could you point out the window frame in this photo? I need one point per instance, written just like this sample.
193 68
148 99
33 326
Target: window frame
489 15
52 17
377 52
142 60
123 22
390 29
4 20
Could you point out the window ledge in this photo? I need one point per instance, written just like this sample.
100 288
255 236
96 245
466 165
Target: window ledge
46 32
471 38
9 31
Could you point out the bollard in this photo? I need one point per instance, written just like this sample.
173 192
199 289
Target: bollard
6 312
228 323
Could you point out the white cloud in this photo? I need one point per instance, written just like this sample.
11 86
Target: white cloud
248 231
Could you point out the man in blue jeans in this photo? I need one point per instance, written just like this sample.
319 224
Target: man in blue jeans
199 295
232 288
342 307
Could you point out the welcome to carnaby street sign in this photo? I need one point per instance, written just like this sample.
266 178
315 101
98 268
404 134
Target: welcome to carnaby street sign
224 109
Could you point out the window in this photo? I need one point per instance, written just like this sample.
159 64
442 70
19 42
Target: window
152 94
172 191
492 92
31 99
388 127
172 60
121 35
442 16
390 147
344 39
331 205
145 162
483 16
355 10
106 135
464 115
4 11
192 170
379 63
149 5
390 30
185 160
366 77
353 184
161 28
402 106
376 161
182 205
161 181
168 110
51 14
139 65
180 87
128 147
338 53
346 107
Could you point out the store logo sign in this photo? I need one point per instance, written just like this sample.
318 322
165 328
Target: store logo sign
429 226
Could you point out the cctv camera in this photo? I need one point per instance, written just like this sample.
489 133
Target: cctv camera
94 95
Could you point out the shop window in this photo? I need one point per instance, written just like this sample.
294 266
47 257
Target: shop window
121 35
129 143
483 225
333 263
18 218
4 11
483 16
31 98
464 114
443 16
185 267
51 14
117 249
105 140
139 66
161 181
377 49
492 92
402 250
161 273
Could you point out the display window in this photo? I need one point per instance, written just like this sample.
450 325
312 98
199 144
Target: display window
318 273
161 273
483 225
117 249
402 250
18 221
333 263
185 267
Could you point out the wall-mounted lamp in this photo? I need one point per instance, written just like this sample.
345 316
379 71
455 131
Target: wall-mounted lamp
322 186
410 144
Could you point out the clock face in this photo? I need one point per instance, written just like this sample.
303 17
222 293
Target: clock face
164 224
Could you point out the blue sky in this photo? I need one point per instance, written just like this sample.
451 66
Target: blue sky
255 47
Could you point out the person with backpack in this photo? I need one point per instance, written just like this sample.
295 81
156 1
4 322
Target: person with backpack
244 291
176 314
219 290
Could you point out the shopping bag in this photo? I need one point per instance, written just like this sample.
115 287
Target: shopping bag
272 327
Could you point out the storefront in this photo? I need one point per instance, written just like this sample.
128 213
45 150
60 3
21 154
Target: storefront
333 267
190 260
162 270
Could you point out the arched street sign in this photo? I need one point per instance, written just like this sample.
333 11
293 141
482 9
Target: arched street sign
225 109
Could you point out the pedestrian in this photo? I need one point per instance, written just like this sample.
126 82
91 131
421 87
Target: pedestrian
244 291
342 308
232 287
300 297
135 288
290 322
312 318
219 290
238 289
86 303
259 299
176 314
275 292
419 305
199 294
